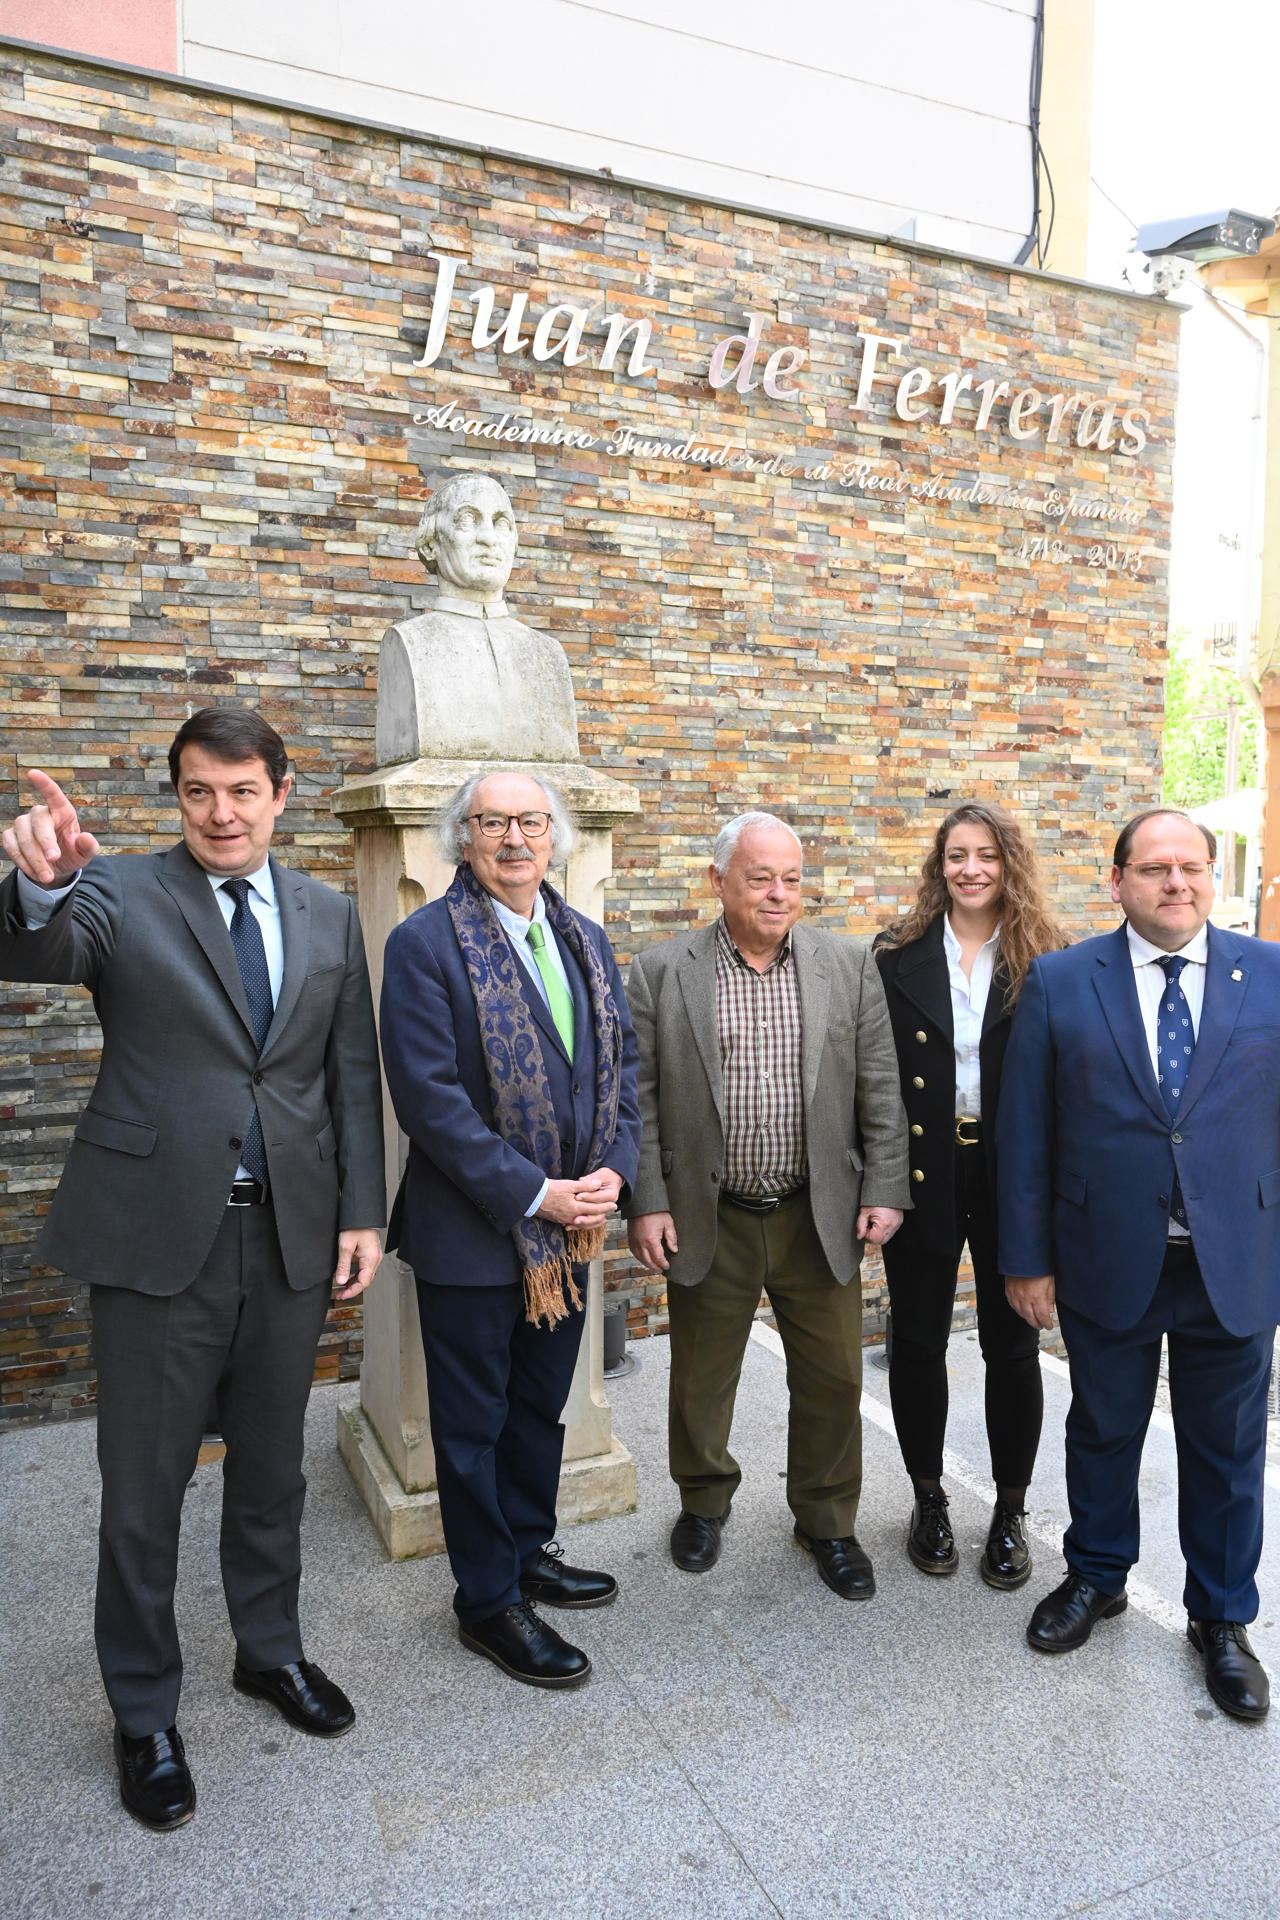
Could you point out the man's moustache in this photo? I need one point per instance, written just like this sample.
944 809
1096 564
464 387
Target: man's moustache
514 853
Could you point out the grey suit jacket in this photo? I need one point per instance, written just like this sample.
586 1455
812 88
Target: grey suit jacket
155 1151
855 1125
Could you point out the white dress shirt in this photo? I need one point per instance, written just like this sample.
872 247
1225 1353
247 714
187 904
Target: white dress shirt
516 928
968 1007
40 903
1151 980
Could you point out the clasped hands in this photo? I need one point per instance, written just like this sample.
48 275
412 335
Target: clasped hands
582 1203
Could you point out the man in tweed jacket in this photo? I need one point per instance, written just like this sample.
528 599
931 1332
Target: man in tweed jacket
774 1146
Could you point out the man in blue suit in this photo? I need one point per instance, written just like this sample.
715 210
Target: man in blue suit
1139 1156
511 1061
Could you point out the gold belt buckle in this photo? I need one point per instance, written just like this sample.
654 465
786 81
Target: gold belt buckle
966 1120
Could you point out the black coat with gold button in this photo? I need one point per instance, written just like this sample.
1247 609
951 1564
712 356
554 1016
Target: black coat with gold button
918 990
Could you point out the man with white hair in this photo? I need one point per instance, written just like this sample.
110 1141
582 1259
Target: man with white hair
511 1061
774 1146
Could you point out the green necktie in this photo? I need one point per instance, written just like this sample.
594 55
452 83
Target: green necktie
559 999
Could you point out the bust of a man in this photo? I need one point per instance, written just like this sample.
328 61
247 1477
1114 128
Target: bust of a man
466 680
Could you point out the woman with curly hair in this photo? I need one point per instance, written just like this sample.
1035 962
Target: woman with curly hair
952 971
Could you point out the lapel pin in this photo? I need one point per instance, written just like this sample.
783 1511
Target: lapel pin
1237 975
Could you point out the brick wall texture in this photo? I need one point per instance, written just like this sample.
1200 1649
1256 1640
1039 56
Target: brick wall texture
212 477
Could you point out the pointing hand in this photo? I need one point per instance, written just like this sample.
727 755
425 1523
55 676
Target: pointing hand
47 843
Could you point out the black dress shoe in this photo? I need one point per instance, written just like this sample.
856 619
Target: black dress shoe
931 1544
551 1582
303 1693
526 1647
842 1564
155 1782
695 1540
1006 1558
1233 1673
1066 1617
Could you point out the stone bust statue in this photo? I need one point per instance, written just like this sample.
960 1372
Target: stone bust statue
466 680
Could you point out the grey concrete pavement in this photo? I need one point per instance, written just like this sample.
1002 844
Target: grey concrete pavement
748 1744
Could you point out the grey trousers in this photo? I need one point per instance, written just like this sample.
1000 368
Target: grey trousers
241 1337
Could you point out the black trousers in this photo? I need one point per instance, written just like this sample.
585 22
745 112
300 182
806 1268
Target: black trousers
922 1294
496 1388
241 1336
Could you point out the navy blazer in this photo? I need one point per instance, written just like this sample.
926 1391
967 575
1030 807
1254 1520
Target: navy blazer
1087 1151
464 1188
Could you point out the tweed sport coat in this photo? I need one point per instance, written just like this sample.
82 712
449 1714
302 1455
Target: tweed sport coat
145 1186
855 1128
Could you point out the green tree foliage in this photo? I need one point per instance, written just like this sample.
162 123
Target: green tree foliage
1196 697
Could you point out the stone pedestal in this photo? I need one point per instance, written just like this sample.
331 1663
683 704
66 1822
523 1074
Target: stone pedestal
386 1441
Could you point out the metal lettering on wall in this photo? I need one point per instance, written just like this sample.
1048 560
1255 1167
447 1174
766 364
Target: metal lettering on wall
1062 508
920 396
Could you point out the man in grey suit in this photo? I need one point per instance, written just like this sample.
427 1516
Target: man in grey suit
227 1168
774 1145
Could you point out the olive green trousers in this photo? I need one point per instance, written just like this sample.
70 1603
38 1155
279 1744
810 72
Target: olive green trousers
820 1322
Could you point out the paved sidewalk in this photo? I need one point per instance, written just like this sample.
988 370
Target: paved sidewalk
748 1745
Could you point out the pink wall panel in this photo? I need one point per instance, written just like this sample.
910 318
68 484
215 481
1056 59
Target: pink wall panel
143 32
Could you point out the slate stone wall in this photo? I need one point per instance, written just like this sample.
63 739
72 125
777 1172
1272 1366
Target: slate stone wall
211 310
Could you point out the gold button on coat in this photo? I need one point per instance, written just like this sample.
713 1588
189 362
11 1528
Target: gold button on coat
917 1131
917 1175
917 1082
922 1036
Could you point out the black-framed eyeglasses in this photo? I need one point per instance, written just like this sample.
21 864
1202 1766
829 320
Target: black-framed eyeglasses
494 825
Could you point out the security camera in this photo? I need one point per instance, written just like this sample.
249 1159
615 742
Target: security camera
1205 236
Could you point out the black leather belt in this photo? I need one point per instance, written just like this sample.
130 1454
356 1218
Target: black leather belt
246 1193
751 1203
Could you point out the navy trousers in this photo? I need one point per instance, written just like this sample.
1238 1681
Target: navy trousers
496 1387
1218 1390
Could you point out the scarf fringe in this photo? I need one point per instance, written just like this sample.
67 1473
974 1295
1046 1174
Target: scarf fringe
550 1290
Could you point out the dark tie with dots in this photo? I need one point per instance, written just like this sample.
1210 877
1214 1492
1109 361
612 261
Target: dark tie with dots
246 938
1175 1044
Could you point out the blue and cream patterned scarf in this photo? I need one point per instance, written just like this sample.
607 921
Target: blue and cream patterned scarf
522 1109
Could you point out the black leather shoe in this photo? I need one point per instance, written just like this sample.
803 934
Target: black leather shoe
1066 1617
842 1564
1006 1558
552 1583
1233 1673
303 1693
695 1540
155 1782
526 1647
931 1544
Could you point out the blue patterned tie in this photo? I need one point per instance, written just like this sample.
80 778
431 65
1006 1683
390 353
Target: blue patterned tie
246 938
1175 1044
